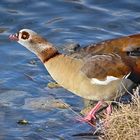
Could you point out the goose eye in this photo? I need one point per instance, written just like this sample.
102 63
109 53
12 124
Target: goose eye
25 35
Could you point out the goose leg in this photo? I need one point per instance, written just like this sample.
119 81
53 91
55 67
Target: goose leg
91 115
108 113
109 110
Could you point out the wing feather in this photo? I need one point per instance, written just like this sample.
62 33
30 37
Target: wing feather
101 66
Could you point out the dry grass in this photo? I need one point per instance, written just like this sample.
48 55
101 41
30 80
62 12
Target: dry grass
124 123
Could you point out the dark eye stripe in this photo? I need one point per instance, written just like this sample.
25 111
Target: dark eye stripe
25 35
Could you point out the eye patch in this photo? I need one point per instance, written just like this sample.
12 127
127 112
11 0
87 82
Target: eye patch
25 35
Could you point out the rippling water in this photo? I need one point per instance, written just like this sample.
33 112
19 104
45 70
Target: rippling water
23 79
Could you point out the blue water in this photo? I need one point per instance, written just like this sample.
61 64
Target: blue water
22 76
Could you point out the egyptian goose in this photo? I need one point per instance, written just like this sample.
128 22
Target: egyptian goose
96 72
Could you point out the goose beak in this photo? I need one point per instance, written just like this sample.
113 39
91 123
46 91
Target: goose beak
13 37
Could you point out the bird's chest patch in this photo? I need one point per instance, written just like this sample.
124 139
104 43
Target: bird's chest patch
103 82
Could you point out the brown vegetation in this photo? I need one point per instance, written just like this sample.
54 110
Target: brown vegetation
124 123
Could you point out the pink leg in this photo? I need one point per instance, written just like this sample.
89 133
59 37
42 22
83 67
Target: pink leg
108 113
109 110
91 114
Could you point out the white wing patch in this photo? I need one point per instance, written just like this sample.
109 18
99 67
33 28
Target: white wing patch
103 82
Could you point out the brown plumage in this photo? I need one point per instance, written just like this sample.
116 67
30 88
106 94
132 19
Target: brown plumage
118 45
95 72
